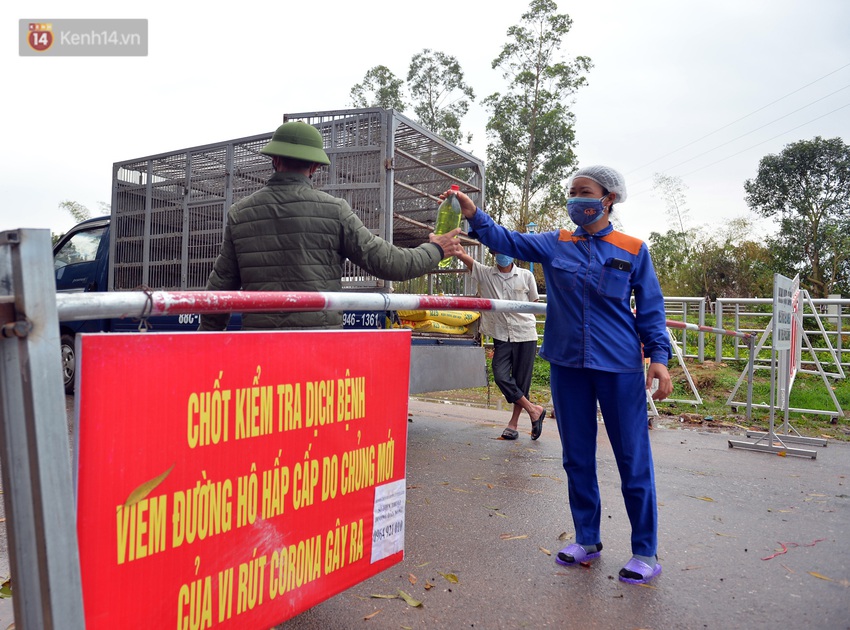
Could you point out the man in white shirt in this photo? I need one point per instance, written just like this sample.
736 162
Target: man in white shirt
514 336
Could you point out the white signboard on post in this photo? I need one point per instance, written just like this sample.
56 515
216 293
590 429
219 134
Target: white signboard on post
783 311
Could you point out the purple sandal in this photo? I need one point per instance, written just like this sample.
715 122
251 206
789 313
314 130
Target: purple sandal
574 554
637 572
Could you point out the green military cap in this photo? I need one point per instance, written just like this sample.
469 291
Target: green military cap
297 139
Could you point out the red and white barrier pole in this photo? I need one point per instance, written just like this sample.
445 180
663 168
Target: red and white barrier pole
707 329
139 304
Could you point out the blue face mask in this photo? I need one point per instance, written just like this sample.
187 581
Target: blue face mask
584 210
504 261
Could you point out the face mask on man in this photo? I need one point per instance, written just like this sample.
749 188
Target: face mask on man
504 261
585 210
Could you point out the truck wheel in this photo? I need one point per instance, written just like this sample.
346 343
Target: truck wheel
69 362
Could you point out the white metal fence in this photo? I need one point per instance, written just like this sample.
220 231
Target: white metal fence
750 315
753 315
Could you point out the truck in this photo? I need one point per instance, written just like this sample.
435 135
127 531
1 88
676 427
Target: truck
168 213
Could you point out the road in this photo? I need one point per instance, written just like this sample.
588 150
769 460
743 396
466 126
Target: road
493 513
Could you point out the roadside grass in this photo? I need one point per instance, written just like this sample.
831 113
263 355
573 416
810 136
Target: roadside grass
714 382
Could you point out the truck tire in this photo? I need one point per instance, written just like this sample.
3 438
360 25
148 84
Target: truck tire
69 362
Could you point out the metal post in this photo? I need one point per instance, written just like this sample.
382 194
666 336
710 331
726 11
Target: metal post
36 465
531 227
751 368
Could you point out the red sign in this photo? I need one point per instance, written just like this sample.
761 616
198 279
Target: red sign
234 480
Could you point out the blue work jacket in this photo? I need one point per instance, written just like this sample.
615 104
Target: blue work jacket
589 281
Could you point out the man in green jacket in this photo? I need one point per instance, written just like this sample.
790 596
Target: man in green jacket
288 236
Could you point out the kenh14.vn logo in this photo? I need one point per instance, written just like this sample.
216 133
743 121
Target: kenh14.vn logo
40 36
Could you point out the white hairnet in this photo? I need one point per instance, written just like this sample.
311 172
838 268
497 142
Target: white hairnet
607 177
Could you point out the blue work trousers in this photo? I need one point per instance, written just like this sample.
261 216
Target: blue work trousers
622 399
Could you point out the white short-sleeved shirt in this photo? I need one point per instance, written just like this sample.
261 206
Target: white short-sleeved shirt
518 284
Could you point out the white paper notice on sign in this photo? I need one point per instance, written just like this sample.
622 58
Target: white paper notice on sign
783 311
388 523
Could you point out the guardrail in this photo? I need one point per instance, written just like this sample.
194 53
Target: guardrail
753 315
748 315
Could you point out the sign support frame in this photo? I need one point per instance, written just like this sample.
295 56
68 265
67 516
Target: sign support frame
38 490
780 329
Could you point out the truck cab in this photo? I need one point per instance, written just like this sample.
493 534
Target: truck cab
80 264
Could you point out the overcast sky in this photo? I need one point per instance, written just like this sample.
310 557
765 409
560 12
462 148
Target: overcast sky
696 89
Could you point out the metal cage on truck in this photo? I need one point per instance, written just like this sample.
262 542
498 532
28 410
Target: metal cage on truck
169 210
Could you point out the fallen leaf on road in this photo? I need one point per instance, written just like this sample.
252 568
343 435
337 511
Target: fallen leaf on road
709 499
410 601
546 551
512 537
411 578
820 577
368 617
451 577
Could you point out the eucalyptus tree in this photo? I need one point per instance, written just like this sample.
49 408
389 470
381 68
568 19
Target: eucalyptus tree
439 93
379 88
671 250
806 188
672 189
531 131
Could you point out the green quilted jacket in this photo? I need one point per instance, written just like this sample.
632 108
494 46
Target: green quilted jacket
289 237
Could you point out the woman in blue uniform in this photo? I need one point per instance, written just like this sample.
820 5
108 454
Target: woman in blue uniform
596 346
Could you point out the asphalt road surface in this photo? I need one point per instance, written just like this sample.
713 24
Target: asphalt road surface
747 539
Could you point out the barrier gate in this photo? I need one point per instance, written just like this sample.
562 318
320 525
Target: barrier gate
36 467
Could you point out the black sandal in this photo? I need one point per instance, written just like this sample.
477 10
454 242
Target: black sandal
537 425
510 434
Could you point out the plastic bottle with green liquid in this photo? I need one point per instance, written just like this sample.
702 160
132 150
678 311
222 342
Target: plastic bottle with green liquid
448 218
